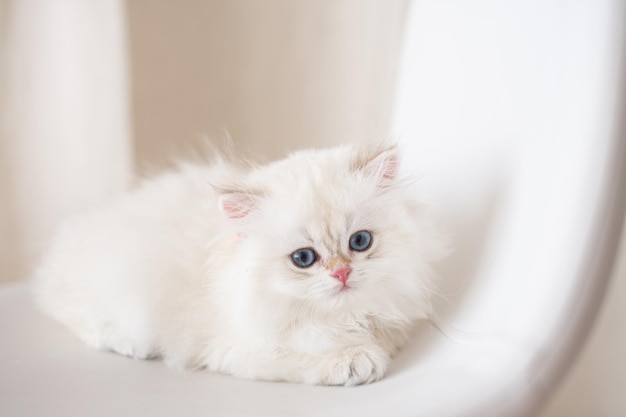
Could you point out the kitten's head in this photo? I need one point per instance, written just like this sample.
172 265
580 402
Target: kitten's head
335 232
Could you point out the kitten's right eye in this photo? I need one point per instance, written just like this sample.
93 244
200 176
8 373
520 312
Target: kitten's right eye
304 258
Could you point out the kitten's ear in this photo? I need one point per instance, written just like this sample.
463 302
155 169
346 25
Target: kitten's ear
236 204
381 164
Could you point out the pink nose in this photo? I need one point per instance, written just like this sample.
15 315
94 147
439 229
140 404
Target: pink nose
342 273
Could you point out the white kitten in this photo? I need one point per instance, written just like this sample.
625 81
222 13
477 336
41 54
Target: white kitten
310 269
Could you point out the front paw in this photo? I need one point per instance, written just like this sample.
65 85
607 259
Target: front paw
354 366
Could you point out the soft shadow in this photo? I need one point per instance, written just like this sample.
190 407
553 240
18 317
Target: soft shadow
471 232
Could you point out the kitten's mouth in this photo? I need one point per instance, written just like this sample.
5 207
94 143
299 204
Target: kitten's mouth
345 287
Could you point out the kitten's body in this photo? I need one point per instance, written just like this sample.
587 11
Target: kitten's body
201 275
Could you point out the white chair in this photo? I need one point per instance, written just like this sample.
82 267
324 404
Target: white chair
513 112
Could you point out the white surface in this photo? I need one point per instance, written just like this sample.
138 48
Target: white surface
516 109
594 386
512 111
45 368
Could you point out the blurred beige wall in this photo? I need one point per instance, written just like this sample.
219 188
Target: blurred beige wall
64 119
276 74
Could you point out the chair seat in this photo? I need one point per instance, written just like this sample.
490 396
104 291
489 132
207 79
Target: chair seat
46 370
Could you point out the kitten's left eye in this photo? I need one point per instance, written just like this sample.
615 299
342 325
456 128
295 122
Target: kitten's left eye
304 258
361 241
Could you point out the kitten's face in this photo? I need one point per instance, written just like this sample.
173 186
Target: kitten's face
334 235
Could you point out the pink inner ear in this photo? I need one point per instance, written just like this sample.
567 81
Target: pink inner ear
385 166
237 205
390 166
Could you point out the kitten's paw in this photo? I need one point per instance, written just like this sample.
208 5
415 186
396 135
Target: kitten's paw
355 366
103 337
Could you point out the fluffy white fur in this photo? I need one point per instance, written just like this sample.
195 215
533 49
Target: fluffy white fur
194 266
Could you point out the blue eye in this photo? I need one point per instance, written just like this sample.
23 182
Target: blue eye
361 241
304 258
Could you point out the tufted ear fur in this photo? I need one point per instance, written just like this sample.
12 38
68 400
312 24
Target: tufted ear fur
382 164
237 204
